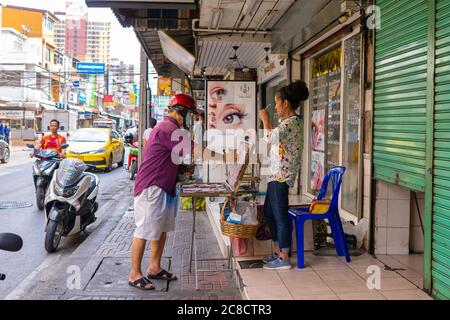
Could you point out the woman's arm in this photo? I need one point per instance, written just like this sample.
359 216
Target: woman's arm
265 118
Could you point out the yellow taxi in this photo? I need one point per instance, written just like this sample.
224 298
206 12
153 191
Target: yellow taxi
100 147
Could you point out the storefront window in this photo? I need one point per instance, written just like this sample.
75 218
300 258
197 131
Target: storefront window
270 90
16 124
325 105
351 109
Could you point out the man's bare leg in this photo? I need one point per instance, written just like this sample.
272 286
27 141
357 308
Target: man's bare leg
137 252
156 252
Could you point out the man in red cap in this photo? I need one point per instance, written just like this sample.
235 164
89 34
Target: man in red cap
155 201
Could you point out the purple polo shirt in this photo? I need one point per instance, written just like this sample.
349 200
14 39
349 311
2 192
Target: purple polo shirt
157 168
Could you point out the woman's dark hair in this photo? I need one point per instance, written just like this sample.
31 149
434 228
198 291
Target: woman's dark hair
152 122
294 93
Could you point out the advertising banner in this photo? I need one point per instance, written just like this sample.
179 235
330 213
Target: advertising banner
230 117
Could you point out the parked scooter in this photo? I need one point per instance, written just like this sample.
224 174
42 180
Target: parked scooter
9 242
44 167
70 205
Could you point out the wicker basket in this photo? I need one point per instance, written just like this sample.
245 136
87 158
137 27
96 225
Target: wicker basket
237 230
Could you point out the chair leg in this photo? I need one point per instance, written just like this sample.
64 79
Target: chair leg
343 240
291 221
299 228
336 236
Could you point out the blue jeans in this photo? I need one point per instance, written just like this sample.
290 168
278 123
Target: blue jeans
276 206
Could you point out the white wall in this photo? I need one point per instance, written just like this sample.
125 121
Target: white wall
30 52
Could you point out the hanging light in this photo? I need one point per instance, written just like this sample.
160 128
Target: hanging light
267 54
235 58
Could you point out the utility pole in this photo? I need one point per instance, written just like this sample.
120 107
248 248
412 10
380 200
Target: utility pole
107 80
143 102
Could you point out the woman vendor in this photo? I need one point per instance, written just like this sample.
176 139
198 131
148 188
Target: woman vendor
285 154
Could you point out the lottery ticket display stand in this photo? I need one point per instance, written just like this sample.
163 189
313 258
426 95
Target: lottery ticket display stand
236 185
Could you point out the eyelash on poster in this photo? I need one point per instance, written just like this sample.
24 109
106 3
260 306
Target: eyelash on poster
237 113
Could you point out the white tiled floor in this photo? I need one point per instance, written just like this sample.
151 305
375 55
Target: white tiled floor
331 278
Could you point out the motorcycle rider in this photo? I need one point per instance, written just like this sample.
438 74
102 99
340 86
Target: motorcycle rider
52 141
147 131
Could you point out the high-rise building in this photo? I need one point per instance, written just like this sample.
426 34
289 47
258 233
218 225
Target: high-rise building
60 32
80 38
99 42
120 72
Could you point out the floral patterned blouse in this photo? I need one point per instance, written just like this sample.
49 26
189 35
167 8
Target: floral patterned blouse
286 150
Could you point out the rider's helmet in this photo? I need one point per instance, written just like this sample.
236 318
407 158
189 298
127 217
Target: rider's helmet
183 104
128 138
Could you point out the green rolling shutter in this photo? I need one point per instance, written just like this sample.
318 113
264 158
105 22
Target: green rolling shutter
400 93
440 246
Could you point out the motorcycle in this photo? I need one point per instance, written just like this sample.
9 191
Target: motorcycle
133 161
71 204
9 242
44 167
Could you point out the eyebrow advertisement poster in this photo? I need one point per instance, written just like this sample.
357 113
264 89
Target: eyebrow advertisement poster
230 115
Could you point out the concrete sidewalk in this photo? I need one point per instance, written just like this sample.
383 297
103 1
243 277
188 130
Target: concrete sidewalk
98 269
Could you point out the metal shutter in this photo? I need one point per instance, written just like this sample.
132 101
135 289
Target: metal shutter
400 93
440 265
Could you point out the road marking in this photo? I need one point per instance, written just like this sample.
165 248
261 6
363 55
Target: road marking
5 173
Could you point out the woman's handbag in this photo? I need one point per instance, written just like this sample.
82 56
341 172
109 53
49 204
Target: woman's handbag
263 232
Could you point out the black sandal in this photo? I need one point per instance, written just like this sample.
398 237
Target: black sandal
142 284
163 275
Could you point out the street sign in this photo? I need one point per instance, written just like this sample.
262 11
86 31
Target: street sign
82 97
62 106
90 68
76 83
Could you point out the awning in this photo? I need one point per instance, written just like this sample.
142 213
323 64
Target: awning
179 56
147 4
146 22
48 107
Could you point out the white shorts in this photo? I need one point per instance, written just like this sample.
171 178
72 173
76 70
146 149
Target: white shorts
154 213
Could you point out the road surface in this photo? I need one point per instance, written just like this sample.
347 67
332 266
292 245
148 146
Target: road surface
16 184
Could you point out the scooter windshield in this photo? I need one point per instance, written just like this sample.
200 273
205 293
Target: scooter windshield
69 172
47 154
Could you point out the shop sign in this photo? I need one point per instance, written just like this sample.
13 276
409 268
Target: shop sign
275 66
164 86
90 68
29 115
61 106
82 97
73 97
108 98
11 114
327 63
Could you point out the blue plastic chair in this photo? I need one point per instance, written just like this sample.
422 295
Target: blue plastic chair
300 215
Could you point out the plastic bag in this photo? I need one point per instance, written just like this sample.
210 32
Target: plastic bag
250 217
240 246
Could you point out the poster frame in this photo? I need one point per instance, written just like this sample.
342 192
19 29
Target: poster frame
254 82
